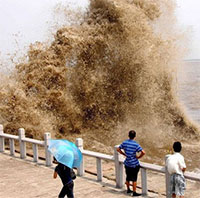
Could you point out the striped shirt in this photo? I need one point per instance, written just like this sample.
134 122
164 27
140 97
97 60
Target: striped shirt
130 148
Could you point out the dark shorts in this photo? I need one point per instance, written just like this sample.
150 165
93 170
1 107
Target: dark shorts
132 173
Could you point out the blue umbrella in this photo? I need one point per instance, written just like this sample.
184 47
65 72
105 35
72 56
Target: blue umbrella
65 152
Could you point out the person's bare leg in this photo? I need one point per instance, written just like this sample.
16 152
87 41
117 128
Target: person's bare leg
128 187
134 190
181 196
134 186
173 195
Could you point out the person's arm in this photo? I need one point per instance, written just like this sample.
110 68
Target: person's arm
120 151
182 164
55 175
142 153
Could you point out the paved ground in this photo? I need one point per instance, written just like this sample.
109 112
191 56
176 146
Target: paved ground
25 179
22 178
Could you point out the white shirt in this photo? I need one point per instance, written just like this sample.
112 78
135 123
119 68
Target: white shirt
175 163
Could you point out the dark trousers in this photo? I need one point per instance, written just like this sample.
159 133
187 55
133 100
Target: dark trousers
67 190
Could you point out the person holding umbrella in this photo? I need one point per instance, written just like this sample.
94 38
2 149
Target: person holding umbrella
67 156
65 176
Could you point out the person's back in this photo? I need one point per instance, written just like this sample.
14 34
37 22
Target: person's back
176 167
130 148
175 163
64 173
65 176
131 163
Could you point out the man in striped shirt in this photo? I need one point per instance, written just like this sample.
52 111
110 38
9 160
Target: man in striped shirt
130 148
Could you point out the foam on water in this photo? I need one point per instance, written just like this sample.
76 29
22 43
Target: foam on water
113 72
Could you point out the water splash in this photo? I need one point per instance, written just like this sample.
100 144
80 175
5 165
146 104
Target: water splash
112 72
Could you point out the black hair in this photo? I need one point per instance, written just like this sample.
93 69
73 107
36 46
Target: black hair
54 160
177 146
132 134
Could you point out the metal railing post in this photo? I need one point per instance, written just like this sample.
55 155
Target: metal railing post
12 147
144 181
79 144
2 142
118 169
99 169
48 155
167 179
35 152
22 143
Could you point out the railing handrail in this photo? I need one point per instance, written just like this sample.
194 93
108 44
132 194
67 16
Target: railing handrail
148 166
9 136
98 155
22 144
116 158
192 176
153 167
28 140
33 141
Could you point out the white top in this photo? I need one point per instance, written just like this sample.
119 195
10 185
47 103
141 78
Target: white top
175 163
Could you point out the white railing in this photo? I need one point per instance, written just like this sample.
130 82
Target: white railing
22 144
116 158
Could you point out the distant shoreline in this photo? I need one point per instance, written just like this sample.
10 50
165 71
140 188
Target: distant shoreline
191 60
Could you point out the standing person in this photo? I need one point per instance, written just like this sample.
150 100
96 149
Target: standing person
176 167
129 149
65 176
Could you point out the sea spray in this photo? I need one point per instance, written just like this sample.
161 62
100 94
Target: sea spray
98 79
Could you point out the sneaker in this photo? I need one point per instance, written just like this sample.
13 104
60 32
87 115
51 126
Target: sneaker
129 191
136 194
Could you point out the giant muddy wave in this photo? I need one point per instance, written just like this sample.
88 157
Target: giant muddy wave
114 71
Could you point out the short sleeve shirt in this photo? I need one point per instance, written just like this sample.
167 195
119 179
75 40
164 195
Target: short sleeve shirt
64 173
175 163
130 148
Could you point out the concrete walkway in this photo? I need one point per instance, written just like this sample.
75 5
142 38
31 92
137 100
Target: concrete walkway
25 179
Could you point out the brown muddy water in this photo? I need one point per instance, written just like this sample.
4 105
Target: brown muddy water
114 71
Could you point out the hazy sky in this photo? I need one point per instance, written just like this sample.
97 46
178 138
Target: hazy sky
24 21
188 13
